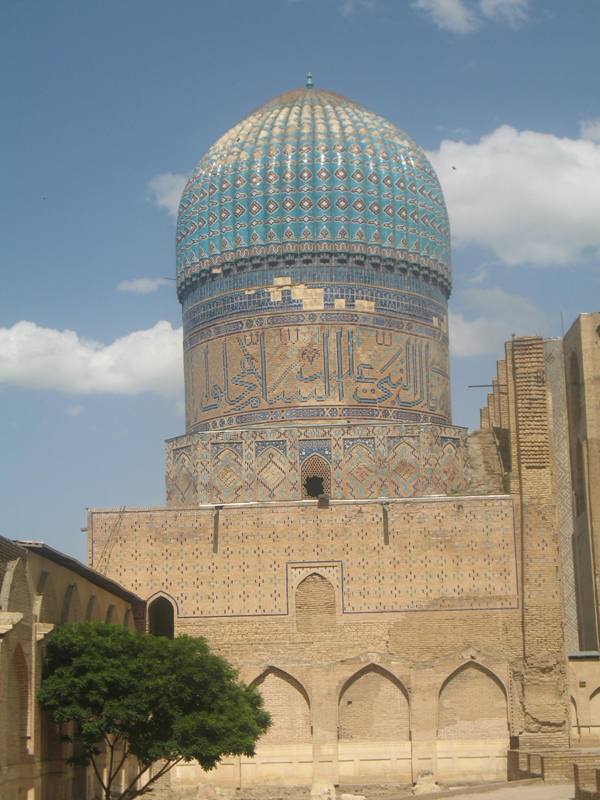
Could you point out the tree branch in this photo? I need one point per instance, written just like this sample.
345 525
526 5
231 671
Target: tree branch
143 789
120 764
135 780
110 776
94 765
168 766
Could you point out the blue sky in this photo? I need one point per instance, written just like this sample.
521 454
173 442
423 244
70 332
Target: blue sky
107 106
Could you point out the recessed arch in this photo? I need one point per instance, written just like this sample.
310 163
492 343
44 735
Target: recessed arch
288 703
111 615
595 710
127 620
574 718
373 705
48 606
472 704
315 605
18 707
16 591
91 608
71 608
161 617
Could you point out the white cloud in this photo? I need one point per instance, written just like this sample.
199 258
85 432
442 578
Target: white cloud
451 15
488 318
74 410
511 11
33 357
533 198
590 129
166 190
349 7
142 285
466 16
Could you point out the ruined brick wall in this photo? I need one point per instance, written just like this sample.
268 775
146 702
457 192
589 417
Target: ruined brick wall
544 680
582 370
559 437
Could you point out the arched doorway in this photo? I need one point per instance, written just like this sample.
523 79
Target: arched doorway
161 618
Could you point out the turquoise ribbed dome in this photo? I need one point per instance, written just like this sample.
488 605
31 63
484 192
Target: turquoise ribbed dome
311 172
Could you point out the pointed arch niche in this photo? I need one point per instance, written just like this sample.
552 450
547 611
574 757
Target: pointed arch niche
595 713
472 705
472 725
71 608
373 707
18 707
287 702
315 604
374 719
161 617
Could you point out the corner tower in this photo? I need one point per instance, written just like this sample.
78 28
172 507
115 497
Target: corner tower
313 268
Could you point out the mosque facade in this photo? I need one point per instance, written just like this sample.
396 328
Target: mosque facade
391 584
416 603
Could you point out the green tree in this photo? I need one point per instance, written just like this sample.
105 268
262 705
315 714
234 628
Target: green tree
147 697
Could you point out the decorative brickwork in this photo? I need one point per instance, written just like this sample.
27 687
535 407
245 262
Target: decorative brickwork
255 464
467 543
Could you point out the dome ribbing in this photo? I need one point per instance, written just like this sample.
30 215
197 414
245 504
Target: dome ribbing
312 172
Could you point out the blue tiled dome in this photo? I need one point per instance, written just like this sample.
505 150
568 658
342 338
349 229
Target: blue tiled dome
308 173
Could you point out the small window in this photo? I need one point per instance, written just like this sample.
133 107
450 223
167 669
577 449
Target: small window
314 486
316 477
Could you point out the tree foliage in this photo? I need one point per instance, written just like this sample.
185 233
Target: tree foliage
155 699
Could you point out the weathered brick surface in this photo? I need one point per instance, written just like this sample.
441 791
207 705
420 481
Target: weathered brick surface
356 614
582 370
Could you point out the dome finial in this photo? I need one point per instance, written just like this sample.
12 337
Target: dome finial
309 80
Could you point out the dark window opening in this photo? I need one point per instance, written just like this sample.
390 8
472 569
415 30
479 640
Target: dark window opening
315 477
314 486
161 618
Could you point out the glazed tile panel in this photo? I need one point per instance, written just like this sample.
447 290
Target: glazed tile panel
360 460
311 171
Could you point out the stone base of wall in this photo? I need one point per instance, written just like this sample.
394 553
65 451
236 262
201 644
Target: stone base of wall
552 766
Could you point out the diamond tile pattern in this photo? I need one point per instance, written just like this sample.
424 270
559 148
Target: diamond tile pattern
312 169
